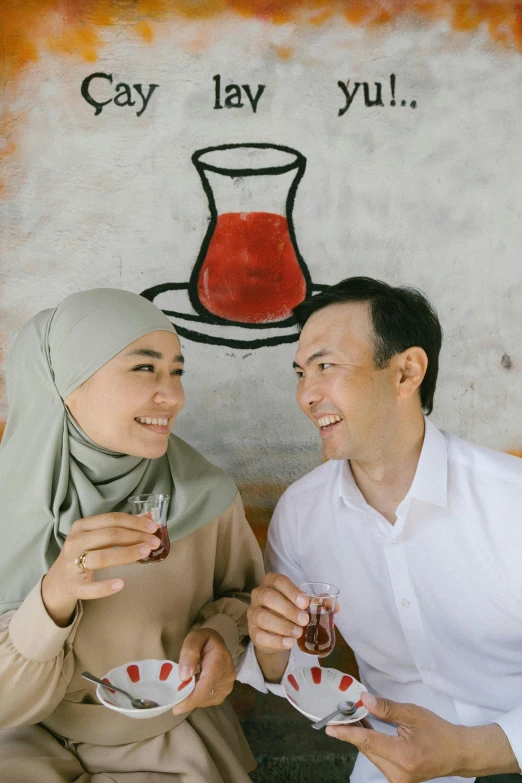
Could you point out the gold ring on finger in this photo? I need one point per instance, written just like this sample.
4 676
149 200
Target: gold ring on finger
80 562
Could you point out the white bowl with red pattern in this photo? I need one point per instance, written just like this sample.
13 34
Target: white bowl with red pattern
317 691
148 679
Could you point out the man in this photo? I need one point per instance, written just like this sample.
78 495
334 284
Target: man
422 533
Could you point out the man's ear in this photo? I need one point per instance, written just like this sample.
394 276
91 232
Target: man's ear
412 366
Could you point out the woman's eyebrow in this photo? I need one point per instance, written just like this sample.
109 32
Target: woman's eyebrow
154 355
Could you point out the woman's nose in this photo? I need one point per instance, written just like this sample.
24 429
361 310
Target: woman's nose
171 392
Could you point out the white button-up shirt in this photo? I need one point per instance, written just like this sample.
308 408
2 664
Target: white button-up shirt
432 605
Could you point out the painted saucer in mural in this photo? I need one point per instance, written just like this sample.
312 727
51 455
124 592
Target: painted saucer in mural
249 274
317 691
174 300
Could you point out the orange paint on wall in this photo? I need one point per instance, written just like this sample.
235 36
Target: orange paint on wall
283 52
145 31
76 28
73 26
260 499
8 150
81 40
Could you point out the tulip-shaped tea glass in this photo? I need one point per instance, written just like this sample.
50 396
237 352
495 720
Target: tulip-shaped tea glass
249 269
318 637
156 505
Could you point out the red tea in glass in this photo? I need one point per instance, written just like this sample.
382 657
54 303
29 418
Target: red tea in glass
159 554
318 637
155 506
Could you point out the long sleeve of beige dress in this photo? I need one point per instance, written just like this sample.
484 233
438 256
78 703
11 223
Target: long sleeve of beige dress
36 662
54 729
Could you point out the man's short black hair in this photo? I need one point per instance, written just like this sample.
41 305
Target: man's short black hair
402 317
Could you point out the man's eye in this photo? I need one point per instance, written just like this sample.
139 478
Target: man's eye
179 372
325 365
299 374
148 367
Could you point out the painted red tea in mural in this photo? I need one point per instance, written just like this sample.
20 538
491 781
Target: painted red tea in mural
251 273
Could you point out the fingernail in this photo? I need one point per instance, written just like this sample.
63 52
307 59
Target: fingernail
152 527
330 730
302 601
297 632
117 585
287 642
370 700
144 549
155 542
184 673
303 618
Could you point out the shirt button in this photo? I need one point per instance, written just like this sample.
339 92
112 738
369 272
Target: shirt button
392 540
405 603
426 667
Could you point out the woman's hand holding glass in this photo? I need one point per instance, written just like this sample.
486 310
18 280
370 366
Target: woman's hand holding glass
105 541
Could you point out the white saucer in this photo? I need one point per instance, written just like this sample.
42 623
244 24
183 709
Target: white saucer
317 691
147 679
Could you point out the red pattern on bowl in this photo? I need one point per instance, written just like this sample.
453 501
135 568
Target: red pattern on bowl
147 679
165 671
133 672
316 692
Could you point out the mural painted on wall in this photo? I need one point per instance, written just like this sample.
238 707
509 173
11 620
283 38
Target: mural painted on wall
227 158
249 273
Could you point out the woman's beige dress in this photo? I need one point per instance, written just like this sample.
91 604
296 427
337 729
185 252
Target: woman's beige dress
53 728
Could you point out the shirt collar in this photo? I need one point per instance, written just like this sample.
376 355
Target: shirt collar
431 476
430 480
348 489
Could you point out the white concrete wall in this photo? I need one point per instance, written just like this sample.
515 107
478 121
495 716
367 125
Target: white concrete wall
428 196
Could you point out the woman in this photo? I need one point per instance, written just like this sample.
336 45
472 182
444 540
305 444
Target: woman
84 382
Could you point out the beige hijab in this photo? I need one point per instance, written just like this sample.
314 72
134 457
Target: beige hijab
51 473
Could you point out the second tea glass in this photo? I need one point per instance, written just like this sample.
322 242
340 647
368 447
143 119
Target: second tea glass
318 637
156 506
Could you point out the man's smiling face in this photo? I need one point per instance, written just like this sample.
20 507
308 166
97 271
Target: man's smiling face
339 387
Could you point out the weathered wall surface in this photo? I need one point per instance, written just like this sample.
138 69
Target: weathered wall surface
402 121
407 116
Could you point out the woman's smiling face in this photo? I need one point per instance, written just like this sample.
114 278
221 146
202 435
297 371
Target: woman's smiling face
130 404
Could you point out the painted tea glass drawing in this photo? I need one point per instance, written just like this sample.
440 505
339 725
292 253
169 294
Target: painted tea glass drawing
249 273
249 269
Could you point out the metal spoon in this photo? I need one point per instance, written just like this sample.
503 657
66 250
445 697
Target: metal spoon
138 704
344 707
